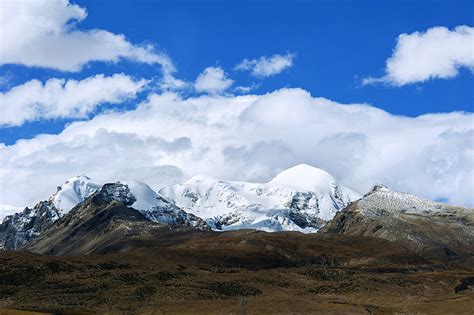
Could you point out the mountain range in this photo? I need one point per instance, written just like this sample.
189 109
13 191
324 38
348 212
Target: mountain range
87 217
204 245
301 198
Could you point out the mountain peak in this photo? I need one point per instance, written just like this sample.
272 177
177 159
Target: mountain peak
378 188
146 197
151 204
81 178
116 191
73 191
304 176
425 226
303 167
380 197
300 198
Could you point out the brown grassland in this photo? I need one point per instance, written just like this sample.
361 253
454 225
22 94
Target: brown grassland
242 272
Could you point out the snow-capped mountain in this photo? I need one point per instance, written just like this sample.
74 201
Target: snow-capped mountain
422 225
301 198
332 196
72 192
107 218
382 198
19 228
157 209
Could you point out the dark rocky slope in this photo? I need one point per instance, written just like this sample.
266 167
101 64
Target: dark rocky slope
17 229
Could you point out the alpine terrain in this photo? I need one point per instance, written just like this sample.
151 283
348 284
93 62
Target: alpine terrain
16 230
205 246
301 198
19 228
422 225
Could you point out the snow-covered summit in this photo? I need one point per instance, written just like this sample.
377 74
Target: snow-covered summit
20 227
72 192
17 229
300 198
152 205
146 198
77 189
305 177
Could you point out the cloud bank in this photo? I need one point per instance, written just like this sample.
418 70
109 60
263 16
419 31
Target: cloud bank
167 139
421 56
43 33
58 98
267 66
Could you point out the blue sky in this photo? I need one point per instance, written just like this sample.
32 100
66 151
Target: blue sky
337 43
161 91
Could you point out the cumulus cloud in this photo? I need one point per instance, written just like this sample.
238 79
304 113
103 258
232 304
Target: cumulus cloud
267 66
60 98
421 56
212 80
168 139
43 33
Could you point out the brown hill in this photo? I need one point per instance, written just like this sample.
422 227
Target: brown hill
428 228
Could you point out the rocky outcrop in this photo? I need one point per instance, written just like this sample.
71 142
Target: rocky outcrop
17 229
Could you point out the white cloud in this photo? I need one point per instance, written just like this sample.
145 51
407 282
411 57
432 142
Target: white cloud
251 137
171 83
421 56
58 98
246 89
43 33
267 66
212 80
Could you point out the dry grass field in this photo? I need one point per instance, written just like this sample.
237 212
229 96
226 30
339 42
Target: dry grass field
242 272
